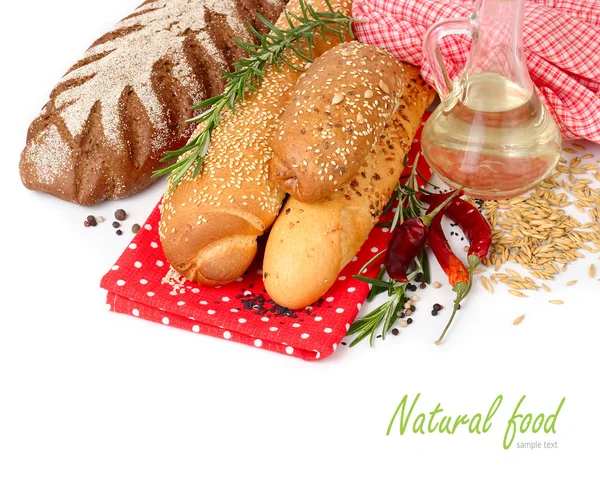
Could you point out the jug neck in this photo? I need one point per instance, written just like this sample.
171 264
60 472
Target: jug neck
498 42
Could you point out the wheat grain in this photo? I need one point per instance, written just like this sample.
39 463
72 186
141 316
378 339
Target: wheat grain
518 320
517 293
536 232
486 284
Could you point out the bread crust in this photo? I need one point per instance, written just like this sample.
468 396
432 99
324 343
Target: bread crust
310 243
116 111
217 216
339 109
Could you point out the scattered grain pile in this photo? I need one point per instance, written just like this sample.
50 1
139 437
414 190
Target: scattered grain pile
539 232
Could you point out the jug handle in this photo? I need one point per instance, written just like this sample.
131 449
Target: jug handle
445 86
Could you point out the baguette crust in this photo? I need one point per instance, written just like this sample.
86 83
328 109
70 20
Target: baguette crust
209 224
110 119
311 243
340 107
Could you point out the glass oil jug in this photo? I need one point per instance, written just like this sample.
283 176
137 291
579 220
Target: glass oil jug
490 133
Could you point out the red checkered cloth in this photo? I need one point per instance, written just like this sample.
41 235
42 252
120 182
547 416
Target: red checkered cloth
561 40
138 284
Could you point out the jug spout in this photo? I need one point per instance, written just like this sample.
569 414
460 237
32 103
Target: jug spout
496 30
498 42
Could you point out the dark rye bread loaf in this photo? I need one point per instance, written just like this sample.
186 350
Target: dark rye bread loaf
110 119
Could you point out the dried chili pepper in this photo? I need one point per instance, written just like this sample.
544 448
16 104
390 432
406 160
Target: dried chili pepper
407 240
476 229
454 268
458 274
474 225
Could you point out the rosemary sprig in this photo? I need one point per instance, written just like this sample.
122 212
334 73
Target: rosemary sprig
271 48
385 316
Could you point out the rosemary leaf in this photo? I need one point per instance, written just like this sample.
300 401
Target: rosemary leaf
374 258
425 267
374 281
376 290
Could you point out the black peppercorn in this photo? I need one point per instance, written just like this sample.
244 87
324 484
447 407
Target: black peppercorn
423 286
409 321
413 308
437 307
116 225
434 312
91 219
136 228
120 214
395 331
119 232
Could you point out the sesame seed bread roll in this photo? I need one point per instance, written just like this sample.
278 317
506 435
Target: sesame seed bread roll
311 243
210 224
340 107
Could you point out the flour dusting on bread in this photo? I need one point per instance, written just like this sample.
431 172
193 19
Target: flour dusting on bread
52 157
154 30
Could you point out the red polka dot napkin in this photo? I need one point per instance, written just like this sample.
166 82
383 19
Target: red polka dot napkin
141 284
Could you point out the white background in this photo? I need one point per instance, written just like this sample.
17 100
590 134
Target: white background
90 398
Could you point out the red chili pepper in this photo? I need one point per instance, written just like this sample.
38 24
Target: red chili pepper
458 274
474 225
454 268
407 240
476 229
